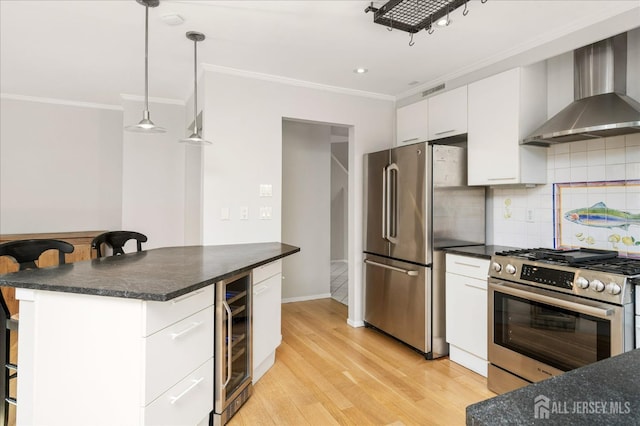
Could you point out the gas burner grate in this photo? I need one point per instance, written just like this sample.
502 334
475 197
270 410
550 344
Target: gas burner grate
567 257
619 265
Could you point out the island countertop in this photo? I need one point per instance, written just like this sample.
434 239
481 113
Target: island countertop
605 392
158 274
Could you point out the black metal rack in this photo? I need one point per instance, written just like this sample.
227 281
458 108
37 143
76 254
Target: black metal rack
413 15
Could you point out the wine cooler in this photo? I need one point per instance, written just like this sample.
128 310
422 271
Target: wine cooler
232 347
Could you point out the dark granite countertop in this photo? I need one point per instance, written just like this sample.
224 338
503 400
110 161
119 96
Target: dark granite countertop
604 393
484 252
158 274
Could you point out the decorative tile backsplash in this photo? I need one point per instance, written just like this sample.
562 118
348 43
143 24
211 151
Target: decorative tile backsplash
589 214
524 217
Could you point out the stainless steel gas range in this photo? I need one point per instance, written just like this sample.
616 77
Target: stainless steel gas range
551 311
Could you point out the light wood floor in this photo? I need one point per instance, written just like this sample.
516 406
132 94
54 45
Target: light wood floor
328 373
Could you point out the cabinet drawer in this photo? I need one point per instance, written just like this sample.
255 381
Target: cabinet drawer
176 350
468 266
263 272
186 403
158 315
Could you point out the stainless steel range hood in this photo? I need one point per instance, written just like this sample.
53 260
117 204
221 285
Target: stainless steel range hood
601 107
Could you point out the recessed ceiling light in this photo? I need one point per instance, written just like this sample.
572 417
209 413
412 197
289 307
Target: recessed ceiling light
360 70
443 22
172 19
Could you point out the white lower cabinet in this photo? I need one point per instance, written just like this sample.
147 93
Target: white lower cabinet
267 300
96 360
184 403
466 311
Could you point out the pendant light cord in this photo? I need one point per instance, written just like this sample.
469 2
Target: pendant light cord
195 86
146 58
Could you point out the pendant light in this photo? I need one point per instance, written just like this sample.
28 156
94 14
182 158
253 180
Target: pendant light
146 125
195 138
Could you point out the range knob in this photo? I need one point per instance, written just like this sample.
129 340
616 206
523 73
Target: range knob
496 266
596 285
510 269
613 288
582 282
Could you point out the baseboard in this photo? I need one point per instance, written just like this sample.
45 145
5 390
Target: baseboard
468 360
355 324
305 298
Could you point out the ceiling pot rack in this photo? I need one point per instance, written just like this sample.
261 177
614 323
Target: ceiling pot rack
413 16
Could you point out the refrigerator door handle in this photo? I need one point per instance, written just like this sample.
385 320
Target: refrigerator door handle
384 203
392 202
409 272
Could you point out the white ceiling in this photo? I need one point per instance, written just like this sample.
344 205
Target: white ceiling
93 51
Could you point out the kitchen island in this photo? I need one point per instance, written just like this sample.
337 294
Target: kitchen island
125 339
605 392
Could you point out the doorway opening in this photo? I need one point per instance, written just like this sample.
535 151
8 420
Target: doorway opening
315 201
339 211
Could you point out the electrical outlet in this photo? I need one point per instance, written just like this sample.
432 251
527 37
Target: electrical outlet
529 215
244 213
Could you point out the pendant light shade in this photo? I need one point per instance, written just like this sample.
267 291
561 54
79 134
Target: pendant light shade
146 125
195 138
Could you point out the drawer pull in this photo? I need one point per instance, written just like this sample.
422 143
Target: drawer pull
476 286
444 132
409 140
193 326
195 383
467 264
193 293
259 289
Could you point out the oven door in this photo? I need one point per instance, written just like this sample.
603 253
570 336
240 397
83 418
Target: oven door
536 333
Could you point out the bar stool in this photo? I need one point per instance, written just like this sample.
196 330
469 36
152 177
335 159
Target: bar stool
24 253
116 240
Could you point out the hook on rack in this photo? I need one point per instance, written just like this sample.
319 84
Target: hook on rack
411 42
483 1
448 20
465 12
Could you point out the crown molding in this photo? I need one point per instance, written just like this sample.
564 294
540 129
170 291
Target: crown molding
295 82
138 98
59 101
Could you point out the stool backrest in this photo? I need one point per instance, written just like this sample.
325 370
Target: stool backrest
26 252
116 240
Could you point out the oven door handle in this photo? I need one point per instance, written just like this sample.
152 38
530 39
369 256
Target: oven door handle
595 311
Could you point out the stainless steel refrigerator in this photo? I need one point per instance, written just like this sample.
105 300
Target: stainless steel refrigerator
417 202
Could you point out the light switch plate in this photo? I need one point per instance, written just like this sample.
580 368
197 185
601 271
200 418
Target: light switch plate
265 213
266 190
224 213
244 213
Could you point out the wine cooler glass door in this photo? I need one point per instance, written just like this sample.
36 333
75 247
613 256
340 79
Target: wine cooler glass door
233 357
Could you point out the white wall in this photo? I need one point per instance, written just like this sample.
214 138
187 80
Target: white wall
244 117
153 175
60 167
306 222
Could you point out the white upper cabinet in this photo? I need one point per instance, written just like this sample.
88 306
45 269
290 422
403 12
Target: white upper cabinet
412 123
503 109
448 114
